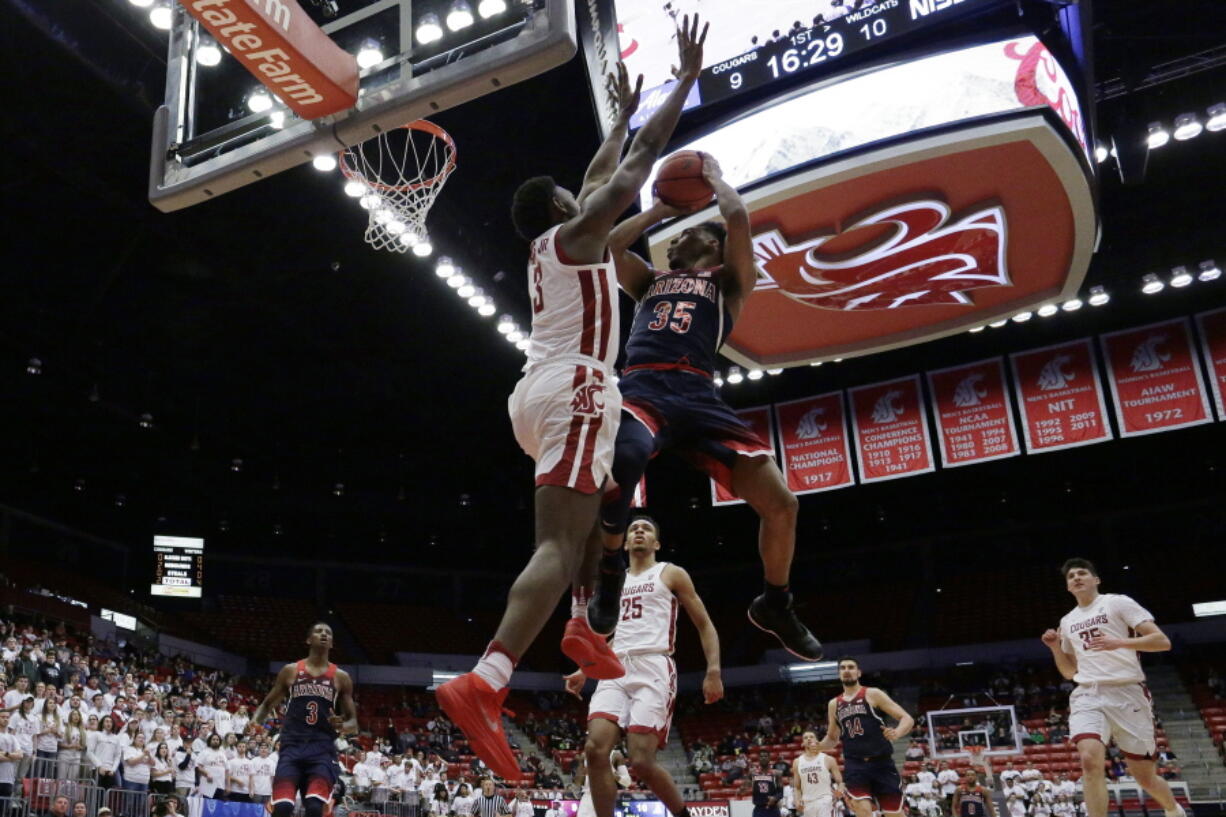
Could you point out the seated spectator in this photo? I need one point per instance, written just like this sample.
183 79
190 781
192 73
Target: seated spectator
915 751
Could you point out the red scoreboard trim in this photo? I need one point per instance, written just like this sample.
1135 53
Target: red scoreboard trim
1055 368
1212 328
973 400
1155 358
761 420
889 408
811 434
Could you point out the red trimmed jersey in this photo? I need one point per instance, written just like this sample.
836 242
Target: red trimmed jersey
308 713
860 727
647 622
574 306
680 322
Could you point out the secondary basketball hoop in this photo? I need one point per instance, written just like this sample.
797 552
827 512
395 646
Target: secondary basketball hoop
396 176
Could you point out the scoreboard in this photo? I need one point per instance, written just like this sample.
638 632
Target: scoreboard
178 566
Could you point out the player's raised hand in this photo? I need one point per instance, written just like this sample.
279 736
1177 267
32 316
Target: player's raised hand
665 210
1051 638
711 171
891 734
574 683
627 97
689 49
712 688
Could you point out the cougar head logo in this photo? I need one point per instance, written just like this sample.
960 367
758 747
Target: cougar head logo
1147 357
588 400
1053 376
925 259
810 427
887 409
969 392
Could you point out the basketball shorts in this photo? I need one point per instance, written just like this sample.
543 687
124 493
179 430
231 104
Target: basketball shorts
586 807
309 768
565 417
1120 711
685 413
821 807
642 700
874 779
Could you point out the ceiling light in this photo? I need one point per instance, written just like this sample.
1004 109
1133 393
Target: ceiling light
460 16
423 247
259 101
355 188
998 324
1209 271
515 336
1098 296
276 120
1071 305
443 268
1100 153
409 239
466 289
522 344
488 8
719 379
370 201
146 420
324 162
141 4
207 52
236 464
1217 117
429 29
755 374
369 54
161 17
486 309
734 375
977 329
1187 126
477 298
774 371
1158 135
1151 283
1047 310
1180 277
506 324
1022 317
383 215
34 366
395 227
457 279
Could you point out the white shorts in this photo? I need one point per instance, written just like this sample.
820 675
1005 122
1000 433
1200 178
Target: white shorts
641 700
586 807
565 417
821 807
1121 711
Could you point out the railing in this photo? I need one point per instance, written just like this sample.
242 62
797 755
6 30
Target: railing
80 771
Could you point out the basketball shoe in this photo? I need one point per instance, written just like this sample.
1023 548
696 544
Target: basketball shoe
590 651
781 622
605 605
476 708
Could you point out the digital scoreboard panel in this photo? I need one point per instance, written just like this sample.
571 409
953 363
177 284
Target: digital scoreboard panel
749 48
178 567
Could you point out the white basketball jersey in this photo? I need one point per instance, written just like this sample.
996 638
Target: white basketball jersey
648 619
574 306
814 777
1110 614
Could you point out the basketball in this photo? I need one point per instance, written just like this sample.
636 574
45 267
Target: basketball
680 181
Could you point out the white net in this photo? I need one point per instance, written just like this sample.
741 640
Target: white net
396 176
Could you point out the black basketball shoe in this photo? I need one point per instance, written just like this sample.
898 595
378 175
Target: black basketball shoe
781 622
605 606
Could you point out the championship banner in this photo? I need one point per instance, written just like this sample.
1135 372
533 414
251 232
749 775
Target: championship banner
973 415
761 421
1212 327
892 438
1060 397
816 448
1155 379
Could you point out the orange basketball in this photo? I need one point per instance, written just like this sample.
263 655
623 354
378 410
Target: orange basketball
680 182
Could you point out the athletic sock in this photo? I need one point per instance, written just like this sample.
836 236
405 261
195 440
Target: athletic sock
1178 812
578 603
496 666
776 595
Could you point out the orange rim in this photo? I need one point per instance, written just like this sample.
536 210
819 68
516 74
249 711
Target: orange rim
420 125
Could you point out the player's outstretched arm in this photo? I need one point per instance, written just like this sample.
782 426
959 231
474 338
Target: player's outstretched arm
679 581
344 704
886 704
738 246
605 161
832 729
1065 663
278 693
836 775
634 275
798 787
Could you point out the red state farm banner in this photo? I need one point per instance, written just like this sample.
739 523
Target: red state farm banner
892 438
972 411
1155 379
1213 347
1060 397
761 421
816 447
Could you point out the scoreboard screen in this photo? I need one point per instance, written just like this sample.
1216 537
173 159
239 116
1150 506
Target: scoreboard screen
178 566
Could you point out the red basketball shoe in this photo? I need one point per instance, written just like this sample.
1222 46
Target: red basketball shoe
591 652
476 708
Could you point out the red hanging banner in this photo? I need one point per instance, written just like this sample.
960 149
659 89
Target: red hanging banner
1212 327
1060 397
639 498
972 411
761 421
1155 379
892 437
815 445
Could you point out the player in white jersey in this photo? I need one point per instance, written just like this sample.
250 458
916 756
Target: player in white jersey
640 704
818 779
1096 646
621 775
565 409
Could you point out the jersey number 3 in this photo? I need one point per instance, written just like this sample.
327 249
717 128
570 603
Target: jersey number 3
312 713
538 297
679 312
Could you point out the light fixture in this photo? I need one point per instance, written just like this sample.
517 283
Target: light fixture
1180 277
276 120
718 379
1187 126
1071 305
477 298
1047 310
460 16
467 289
515 336
409 239
259 101
457 279
120 500
1217 117
1022 317
734 375
394 227
488 8
1100 153
161 16
236 464
506 325
1158 135
774 371
383 215
522 344
755 374
429 29
1098 296
998 324
338 489
443 267
369 54
146 420
423 247
324 162
1209 271
34 366
370 201
208 53
141 4
355 189
1151 283
486 309
976 329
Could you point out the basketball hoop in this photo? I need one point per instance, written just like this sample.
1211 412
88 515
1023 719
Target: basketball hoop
396 176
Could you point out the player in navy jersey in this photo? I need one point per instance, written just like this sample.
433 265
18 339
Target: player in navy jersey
971 799
764 790
684 314
869 772
320 704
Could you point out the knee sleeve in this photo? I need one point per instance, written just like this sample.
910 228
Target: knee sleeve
282 809
313 807
633 449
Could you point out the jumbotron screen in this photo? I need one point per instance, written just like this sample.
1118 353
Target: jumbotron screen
178 567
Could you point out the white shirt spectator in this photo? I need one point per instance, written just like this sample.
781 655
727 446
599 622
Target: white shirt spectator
463 805
262 770
1016 805
107 754
223 722
522 808
239 771
1014 790
930 806
915 791
238 723
1008 775
135 767
8 768
212 763
926 776
205 713
1065 788
185 776
14 697
24 729
788 803
948 779
48 737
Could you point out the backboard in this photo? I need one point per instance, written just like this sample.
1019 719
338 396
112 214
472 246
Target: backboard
953 732
219 130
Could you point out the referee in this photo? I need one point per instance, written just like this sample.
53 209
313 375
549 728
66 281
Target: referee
489 803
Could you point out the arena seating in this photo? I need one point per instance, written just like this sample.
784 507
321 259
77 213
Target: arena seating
259 626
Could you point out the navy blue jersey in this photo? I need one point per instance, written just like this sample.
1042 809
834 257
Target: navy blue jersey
763 787
312 700
973 802
861 727
681 321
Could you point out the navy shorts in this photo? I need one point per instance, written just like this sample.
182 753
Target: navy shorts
309 768
876 778
685 413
